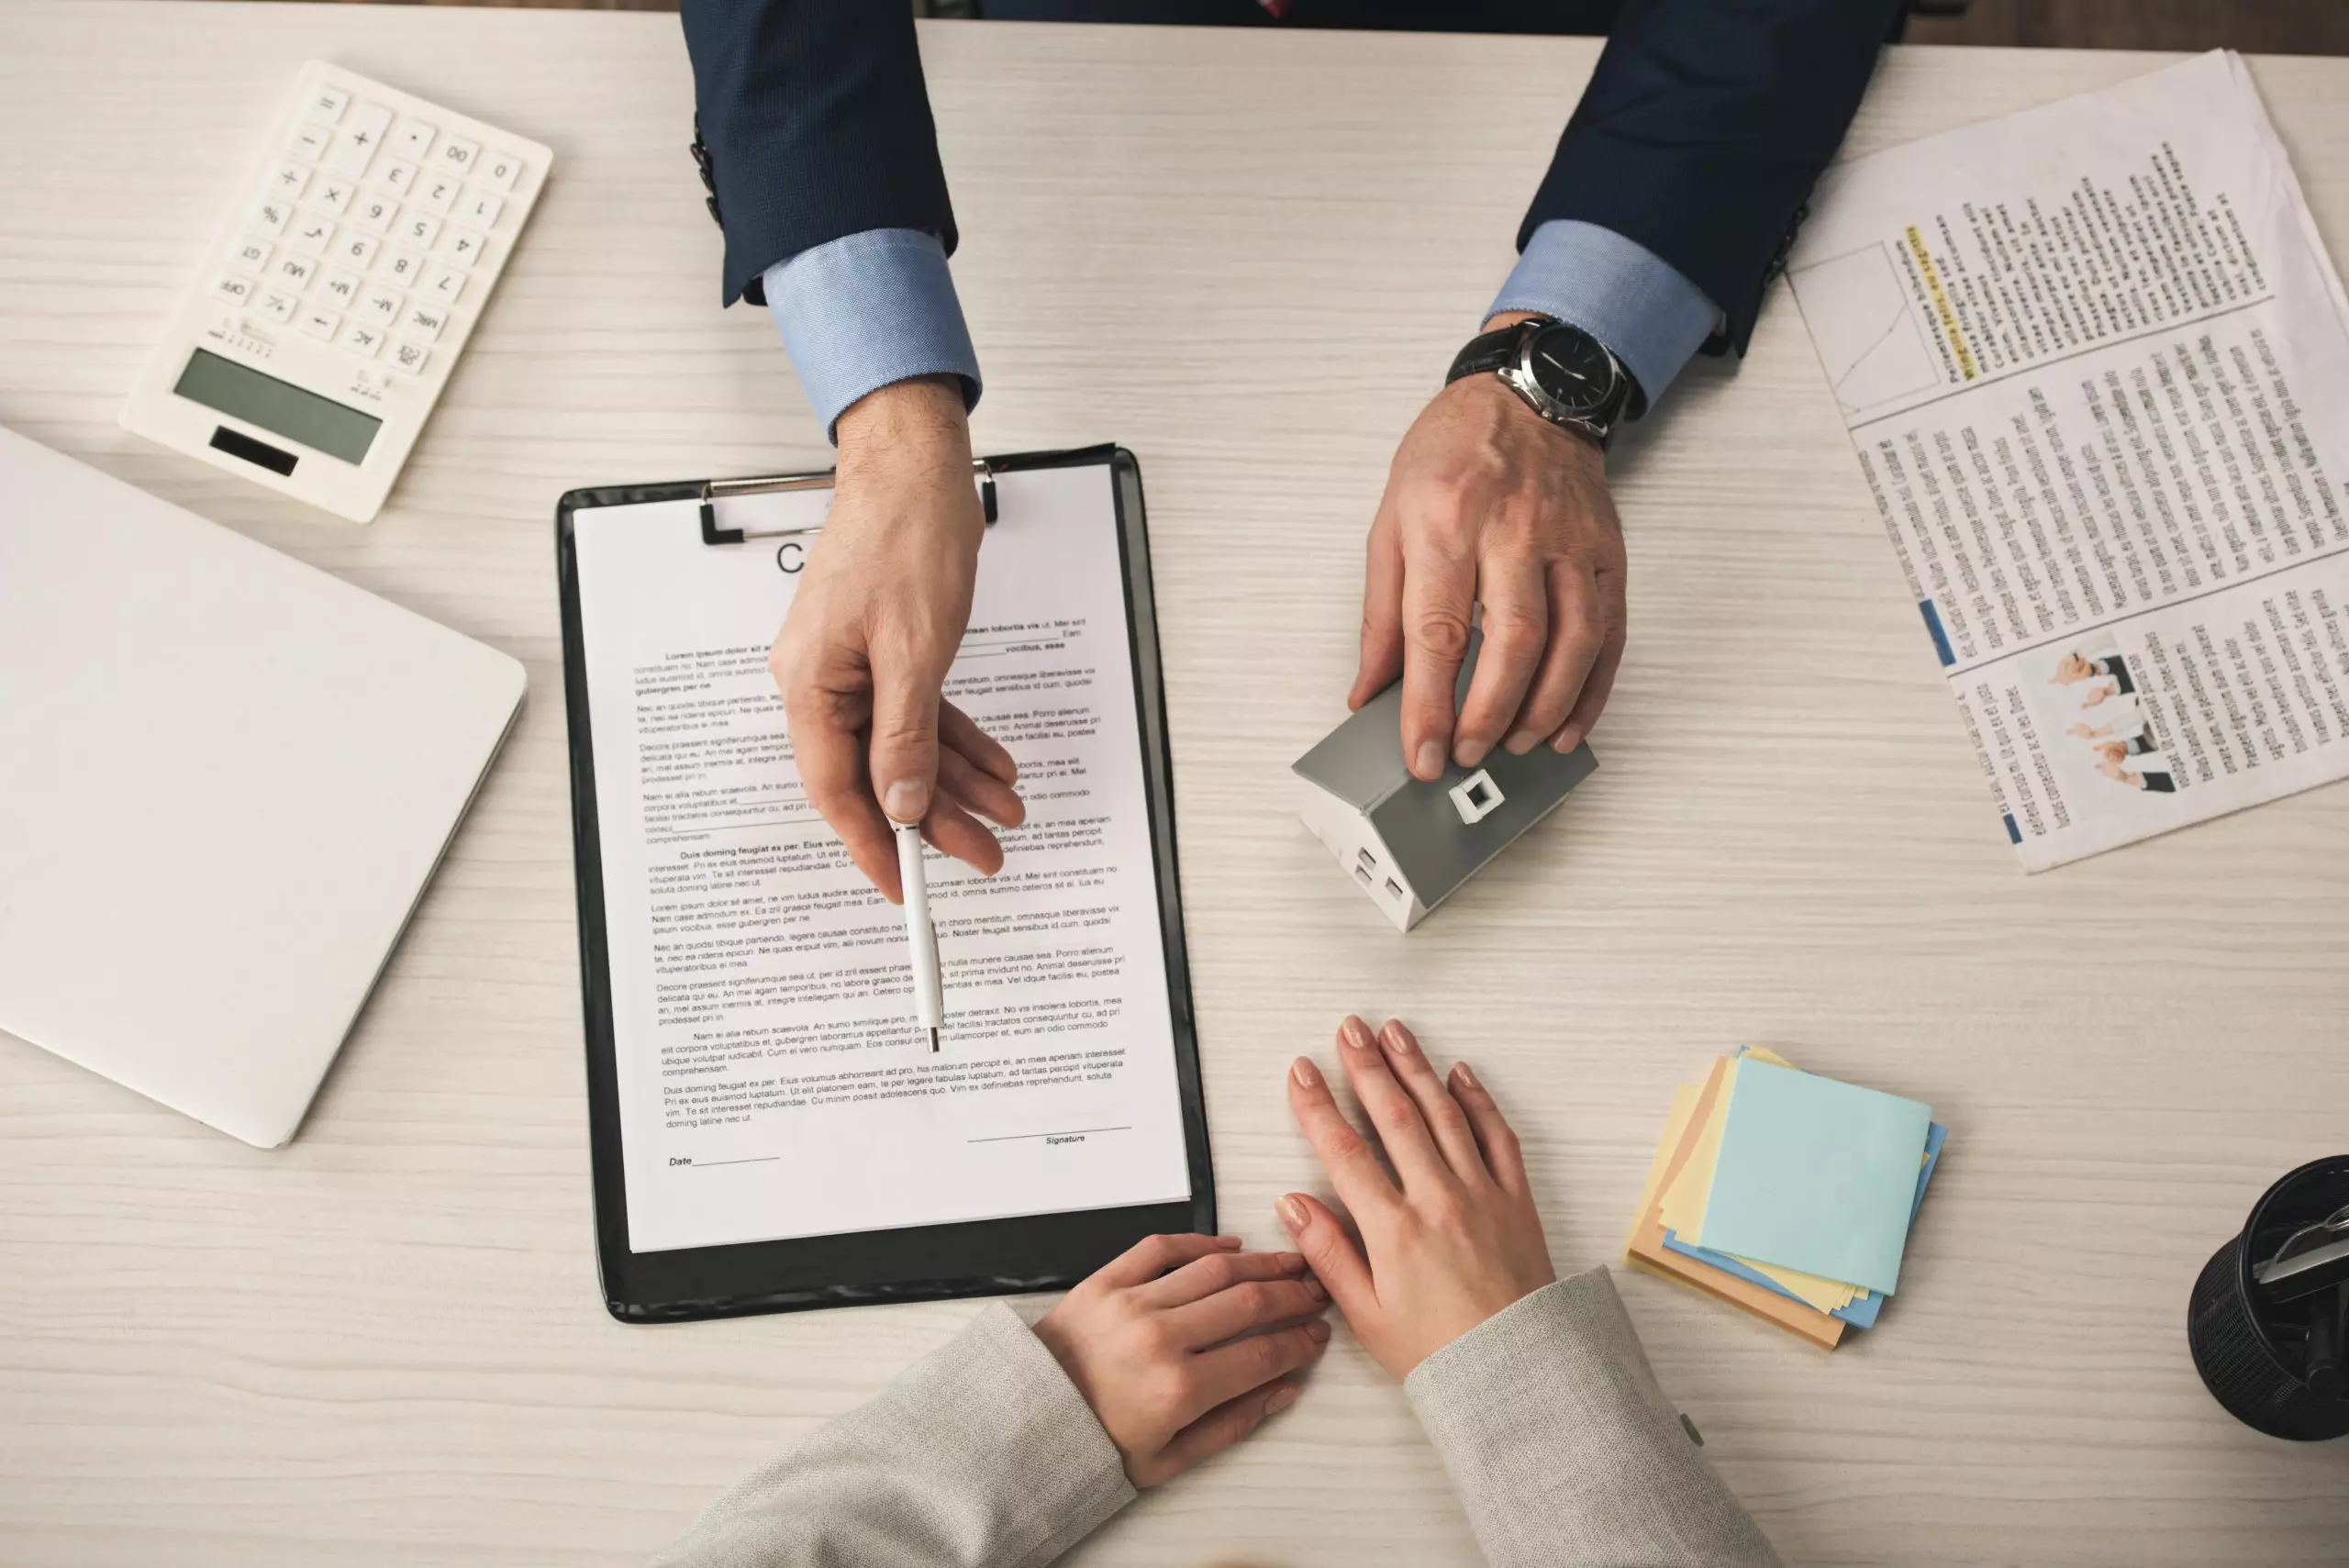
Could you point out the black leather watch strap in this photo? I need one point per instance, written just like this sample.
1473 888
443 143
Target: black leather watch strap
1493 350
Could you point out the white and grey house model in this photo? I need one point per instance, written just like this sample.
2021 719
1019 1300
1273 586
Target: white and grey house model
1409 843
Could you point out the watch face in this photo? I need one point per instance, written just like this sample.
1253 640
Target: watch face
1570 366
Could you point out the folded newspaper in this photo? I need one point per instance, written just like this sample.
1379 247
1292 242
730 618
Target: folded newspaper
2095 362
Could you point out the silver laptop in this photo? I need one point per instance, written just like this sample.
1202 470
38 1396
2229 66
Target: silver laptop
224 779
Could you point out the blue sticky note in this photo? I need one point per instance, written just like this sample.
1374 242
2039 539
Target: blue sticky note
1817 1175
1861 1312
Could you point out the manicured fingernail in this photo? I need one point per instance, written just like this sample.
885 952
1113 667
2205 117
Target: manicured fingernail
1318 1291
1230 1243
1567 742
1430 762
1466 1075
1519 744
1399 1039
1307 1075
1355 1033
1280 1399
1292 1211
1292 1262
1316 1330
905 801
1468 753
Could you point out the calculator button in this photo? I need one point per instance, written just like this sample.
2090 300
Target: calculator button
250 255
457 155
409 359
424 322
446 285
289 181
379 305
464 248
413 139
232 289
312 235
295 272
418 228
338 288
361 135
278 306
440 191
308 142
334 193
499 171
325 105
362 339
317 321
374 213
396 175
355 250
270 217
480 208
403 267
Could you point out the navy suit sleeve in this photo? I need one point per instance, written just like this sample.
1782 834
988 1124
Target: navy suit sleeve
1704 128
817 124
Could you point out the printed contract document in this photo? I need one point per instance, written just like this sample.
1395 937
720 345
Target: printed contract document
2095 362
773 1080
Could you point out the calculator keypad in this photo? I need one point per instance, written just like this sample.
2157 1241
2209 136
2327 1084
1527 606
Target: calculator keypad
369 229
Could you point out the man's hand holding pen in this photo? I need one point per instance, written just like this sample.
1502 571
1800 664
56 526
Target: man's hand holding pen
872 631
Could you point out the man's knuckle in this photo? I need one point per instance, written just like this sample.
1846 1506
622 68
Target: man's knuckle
1443 633
1513 631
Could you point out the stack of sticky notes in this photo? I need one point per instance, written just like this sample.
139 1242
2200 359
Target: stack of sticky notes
1786 1194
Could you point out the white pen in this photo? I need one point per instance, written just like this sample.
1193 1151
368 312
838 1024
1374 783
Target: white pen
921 935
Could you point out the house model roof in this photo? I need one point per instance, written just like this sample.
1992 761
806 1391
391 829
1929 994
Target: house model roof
1426 833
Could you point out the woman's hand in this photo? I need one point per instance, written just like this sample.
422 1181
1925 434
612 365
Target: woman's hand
1451 1237
1182 1345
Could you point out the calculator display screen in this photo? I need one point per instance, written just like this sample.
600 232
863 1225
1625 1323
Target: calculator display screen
319 423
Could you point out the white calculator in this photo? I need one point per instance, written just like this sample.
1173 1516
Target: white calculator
340 293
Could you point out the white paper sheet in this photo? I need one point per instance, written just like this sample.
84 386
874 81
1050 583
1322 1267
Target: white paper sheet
2096 364
773 1080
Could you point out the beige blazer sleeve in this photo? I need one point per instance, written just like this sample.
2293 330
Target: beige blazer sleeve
980 1455
1564 1447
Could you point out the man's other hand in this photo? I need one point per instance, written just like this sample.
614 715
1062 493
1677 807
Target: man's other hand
875 624
1488 504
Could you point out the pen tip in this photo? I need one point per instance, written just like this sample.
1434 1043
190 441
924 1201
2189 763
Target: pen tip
933 1039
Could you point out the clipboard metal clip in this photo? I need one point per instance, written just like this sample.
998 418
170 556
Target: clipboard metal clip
714 490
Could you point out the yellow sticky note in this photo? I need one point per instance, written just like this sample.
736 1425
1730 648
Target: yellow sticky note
1827 1295
1684 1201
1684 1106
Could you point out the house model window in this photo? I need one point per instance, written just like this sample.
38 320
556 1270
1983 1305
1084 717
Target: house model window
1408 844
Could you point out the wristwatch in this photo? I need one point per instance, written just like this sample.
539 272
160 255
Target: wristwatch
1566 375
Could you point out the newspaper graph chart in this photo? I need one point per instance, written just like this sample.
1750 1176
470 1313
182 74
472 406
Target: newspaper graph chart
1872 344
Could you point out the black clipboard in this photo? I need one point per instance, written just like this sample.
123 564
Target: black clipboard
989 1256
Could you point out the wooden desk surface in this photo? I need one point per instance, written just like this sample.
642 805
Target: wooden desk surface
1248 258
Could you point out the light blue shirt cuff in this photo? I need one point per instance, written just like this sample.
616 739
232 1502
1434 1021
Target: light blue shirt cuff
867 309
1617 291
